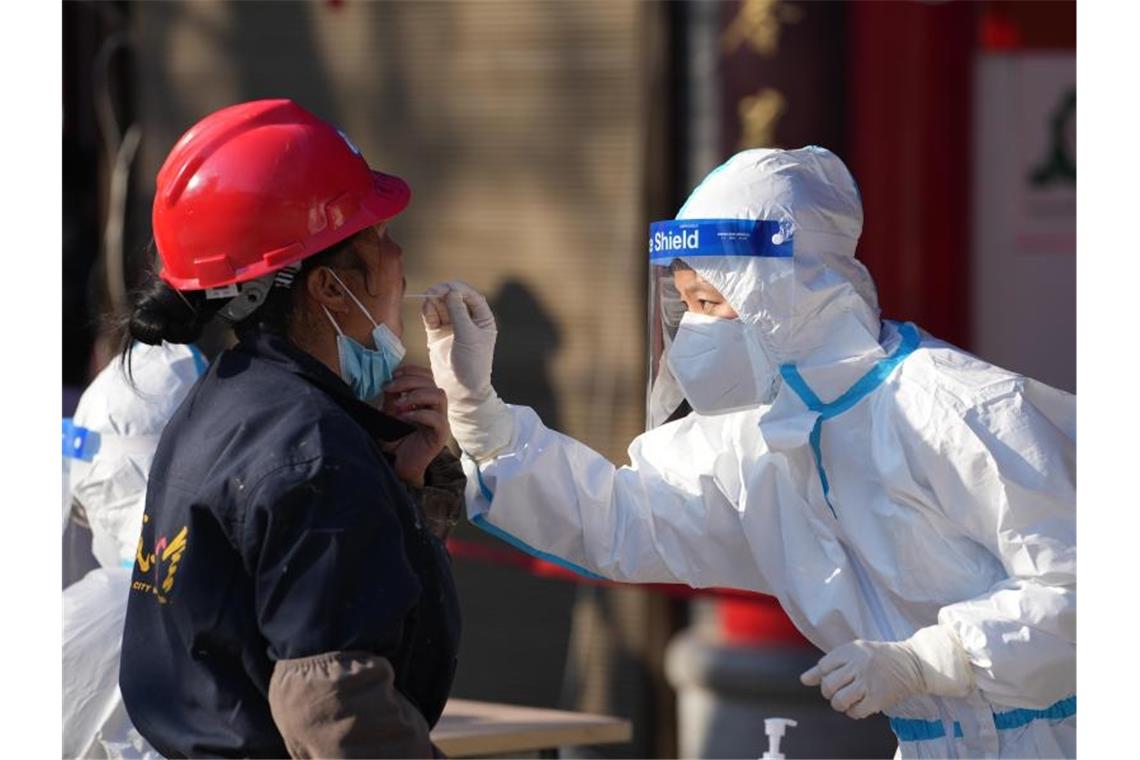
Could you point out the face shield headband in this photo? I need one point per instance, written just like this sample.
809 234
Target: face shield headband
718 237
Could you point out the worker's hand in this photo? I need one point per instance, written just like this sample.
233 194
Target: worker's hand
461 339
866 677
413 396
461 336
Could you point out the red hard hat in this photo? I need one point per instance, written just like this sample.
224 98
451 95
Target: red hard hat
257 186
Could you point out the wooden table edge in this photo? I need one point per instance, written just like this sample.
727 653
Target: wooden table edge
617 732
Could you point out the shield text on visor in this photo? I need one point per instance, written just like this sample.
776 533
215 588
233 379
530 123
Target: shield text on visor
712 377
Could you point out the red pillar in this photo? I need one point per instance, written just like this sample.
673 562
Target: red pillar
909 98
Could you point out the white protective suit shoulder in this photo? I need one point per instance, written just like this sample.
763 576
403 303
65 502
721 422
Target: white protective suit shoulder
894 483
123 422
127 415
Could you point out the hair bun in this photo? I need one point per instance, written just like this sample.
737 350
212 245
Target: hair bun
161 313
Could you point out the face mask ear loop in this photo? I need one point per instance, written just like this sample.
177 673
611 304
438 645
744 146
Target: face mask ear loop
334 323
356 301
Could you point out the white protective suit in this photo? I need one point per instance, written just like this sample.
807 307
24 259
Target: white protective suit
895 483
114 434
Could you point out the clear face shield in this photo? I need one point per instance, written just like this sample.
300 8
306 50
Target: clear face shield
726 245
664 397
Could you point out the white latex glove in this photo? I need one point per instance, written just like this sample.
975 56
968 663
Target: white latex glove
461 347
866 677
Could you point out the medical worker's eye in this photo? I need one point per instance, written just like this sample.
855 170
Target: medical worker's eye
706 305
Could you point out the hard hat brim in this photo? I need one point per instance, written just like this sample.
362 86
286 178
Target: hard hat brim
389 197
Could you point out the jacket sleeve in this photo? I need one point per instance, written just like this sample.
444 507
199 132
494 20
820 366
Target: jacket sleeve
344 704
1005 471
441 497
662 519
326 550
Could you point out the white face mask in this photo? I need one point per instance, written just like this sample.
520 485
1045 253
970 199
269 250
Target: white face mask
718 367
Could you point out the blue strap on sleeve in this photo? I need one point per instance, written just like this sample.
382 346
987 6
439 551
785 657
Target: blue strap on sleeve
78 441
481 521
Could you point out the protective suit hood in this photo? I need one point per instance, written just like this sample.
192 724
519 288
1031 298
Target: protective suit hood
818 308
119 428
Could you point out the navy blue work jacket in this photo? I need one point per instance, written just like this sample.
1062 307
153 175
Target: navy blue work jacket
275 528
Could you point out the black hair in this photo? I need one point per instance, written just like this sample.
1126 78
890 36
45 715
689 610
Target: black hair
161 313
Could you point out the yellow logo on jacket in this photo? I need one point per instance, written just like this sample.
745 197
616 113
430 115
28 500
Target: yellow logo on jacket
163 561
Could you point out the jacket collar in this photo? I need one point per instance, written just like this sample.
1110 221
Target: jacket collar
282 353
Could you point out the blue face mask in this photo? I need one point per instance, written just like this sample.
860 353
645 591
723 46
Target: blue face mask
367 370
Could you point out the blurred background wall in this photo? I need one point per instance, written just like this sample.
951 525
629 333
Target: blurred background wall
540 139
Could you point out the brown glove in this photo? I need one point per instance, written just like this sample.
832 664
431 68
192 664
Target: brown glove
441 498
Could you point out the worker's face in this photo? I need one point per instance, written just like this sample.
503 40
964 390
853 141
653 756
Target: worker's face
700 297
379 285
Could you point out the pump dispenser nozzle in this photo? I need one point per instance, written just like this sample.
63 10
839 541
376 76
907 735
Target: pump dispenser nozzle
775 729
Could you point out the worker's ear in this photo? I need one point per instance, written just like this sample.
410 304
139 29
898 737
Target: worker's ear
324 290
